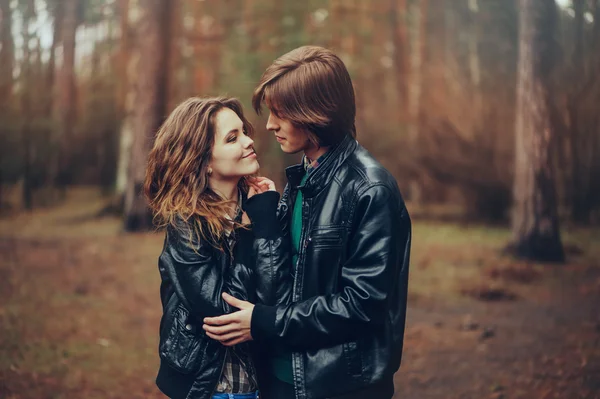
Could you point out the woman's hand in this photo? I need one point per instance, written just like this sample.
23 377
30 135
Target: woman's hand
259 185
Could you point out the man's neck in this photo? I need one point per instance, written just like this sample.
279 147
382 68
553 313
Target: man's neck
315 153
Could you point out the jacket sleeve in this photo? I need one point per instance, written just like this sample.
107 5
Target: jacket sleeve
375 267
272 264
195 270
240 281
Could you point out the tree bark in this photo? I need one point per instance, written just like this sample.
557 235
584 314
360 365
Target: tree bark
581 141
51 71
7 56
417 32
596 30
535 226
474 64
150 105
67 92
399 35
26 108
130 56
124 49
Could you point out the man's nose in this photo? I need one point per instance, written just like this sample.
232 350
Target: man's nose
272 123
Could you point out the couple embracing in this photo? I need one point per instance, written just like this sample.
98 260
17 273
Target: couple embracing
298 297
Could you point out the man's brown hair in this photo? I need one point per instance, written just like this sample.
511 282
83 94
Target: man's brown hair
311 87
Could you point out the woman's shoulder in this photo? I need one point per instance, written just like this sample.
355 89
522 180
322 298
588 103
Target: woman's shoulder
187 232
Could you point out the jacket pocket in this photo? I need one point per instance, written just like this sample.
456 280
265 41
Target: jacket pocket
183 348
327 237
353 359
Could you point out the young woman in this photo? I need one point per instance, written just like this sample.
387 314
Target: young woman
197 180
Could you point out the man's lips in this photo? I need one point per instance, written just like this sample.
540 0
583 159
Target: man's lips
279 138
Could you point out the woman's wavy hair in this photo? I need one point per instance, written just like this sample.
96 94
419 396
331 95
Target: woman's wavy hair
176 183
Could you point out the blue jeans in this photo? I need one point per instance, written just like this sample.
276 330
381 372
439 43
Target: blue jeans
220 395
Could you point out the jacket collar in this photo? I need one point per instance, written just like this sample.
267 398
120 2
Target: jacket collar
322 175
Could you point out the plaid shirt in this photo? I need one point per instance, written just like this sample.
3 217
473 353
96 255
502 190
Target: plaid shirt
310 166
238 372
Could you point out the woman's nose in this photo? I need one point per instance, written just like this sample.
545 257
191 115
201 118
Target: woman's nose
249 142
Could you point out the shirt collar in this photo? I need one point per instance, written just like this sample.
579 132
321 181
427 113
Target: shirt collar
310 166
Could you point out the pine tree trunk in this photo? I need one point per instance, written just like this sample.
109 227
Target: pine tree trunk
67 92
417 32
581 141
128 70
124 49
150 105
7 56
399 39
474 64
7 59
26 108
535 227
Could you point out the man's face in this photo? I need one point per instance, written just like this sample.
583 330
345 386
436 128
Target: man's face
291 139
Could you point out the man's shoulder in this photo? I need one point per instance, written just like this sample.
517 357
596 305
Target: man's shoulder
361 171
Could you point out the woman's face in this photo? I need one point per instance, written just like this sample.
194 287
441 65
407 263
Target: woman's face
233 153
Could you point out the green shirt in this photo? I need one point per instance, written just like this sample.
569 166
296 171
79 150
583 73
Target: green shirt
296 225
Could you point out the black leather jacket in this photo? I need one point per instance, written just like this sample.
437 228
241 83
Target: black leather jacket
193 276
345 312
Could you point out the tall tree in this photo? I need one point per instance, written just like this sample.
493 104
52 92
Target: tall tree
474 64
150 105
124 49
56 9
417 34
129 56
6 53
28 9
580 134
398 24
7 59
535 226
66 107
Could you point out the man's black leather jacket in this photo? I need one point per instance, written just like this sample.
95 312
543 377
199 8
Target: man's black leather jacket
344 314
193 276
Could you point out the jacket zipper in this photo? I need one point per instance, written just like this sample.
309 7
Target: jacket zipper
301 256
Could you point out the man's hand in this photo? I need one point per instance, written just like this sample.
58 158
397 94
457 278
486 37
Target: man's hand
231 329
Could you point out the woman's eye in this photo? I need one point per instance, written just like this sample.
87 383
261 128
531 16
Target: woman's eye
231 139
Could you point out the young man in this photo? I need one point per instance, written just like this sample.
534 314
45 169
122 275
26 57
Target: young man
340 331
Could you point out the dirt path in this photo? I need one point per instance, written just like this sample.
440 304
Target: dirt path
79 311
504 350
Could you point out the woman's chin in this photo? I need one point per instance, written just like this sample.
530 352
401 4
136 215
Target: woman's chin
253 170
